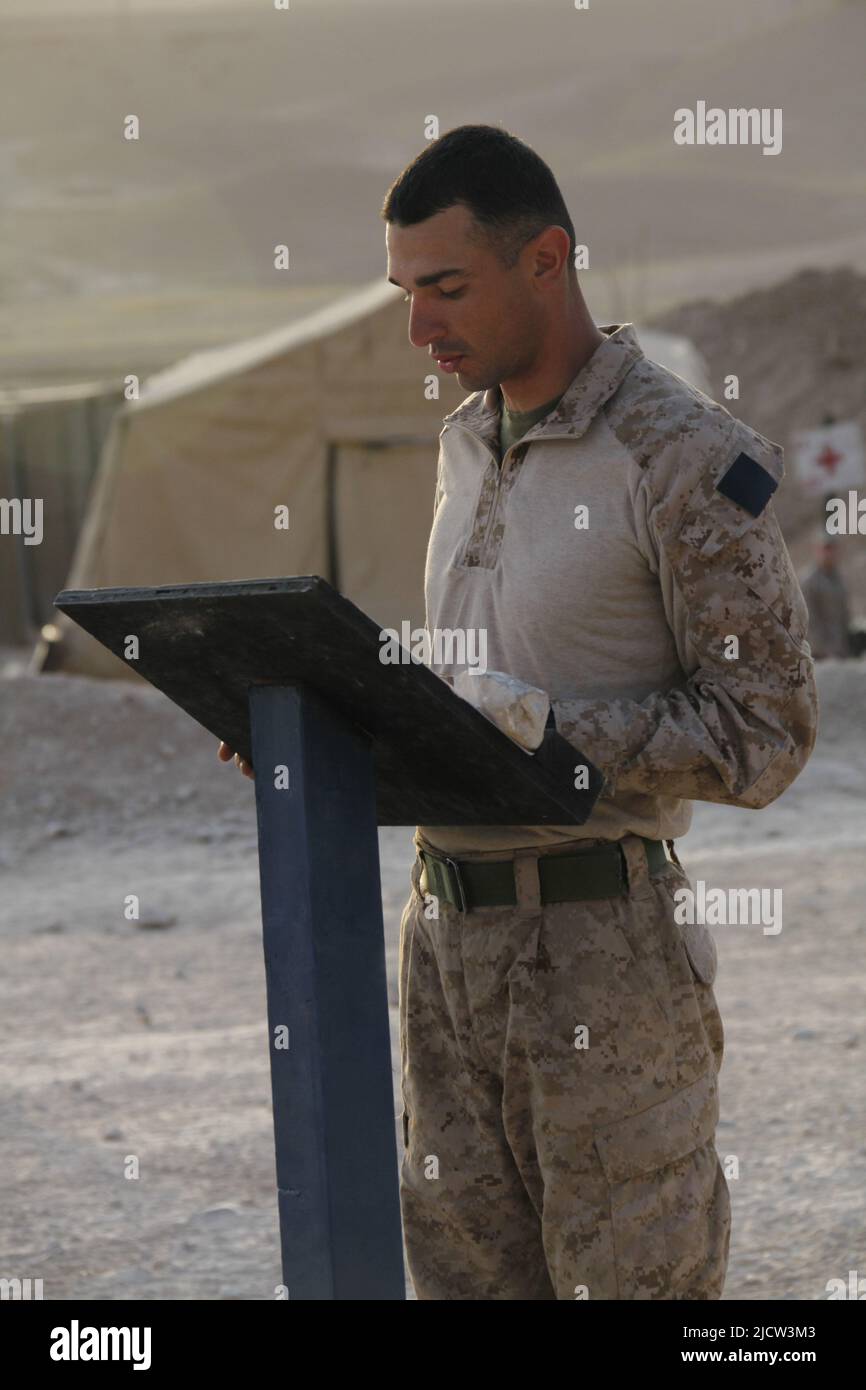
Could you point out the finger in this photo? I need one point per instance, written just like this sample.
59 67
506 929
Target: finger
224 753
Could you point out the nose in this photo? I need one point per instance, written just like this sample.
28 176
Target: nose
425 325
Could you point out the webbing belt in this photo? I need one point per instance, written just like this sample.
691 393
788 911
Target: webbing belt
599 872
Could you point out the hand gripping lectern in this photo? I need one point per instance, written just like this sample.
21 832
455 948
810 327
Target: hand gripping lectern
289 673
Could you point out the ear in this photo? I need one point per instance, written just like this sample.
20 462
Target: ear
550 251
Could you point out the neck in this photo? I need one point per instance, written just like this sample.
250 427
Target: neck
564 351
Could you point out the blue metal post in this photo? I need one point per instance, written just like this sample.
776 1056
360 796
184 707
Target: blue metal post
334 1131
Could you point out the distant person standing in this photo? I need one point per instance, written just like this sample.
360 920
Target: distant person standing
827 601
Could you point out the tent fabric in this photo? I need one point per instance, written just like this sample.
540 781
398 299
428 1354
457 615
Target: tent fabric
50 441
335 417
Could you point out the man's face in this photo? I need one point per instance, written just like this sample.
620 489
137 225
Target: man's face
482 315
828 556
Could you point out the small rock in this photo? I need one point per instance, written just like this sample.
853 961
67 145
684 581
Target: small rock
805 1035
155 921
113 1136
220 1212
56 829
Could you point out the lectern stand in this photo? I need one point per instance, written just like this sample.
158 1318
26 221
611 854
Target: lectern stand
288 673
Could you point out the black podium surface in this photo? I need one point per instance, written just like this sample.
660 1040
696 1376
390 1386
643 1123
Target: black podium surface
287 672
437 760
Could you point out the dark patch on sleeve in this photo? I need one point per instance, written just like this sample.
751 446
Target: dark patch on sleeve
747 484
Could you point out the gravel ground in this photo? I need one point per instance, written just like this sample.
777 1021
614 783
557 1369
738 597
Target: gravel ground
119 1039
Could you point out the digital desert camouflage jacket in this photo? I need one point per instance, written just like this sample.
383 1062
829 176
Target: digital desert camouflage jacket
626 558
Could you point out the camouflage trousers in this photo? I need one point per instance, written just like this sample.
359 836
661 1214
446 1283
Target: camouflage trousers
559 1071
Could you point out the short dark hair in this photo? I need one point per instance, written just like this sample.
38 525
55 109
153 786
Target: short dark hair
507 187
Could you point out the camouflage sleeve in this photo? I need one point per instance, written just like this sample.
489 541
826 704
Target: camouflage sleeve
437 495
743 722
437 498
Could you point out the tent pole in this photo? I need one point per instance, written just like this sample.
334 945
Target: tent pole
333 575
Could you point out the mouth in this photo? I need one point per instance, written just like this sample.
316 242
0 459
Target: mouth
452 363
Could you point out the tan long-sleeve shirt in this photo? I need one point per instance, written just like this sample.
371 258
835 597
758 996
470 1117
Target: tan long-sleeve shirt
627 559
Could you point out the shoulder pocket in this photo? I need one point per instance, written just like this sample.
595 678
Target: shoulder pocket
733 494
730 523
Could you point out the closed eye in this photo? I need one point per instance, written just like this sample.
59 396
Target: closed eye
445 294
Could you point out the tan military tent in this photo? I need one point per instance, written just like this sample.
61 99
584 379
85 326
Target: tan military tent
330 418
50 443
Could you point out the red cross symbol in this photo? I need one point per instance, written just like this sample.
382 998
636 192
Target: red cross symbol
828 458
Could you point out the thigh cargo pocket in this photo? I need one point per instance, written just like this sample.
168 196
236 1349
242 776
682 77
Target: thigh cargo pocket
669 1202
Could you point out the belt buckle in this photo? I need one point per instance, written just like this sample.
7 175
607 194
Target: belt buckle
459 881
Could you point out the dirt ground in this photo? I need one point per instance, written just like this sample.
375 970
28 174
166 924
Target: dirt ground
151 1038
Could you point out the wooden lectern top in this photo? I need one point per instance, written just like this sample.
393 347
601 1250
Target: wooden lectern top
437 760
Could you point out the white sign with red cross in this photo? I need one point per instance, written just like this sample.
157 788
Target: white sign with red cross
829 458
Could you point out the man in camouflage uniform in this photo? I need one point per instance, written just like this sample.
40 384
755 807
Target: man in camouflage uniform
612 530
